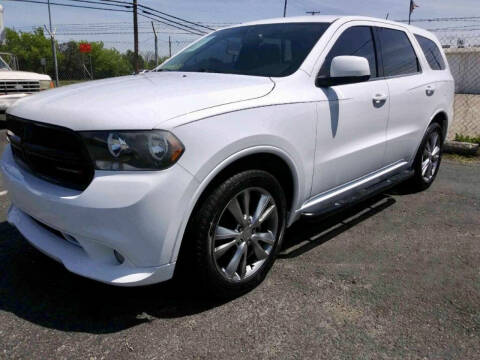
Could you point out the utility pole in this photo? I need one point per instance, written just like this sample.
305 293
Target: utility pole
170 45
156 45
54 49
313 12
285 9
135 36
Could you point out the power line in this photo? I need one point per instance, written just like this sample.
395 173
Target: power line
166 21
142 7
94 26
114 33
162 13
172 21
177 27
69 5
473 18
101 3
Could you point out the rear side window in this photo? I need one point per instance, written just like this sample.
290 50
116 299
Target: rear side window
355 41
398 55
432 53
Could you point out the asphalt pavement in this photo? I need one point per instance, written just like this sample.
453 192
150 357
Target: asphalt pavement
396 277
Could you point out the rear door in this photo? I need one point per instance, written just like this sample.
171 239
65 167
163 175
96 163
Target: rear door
411 101
352 124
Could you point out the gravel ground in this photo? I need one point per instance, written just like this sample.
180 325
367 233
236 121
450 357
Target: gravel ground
396 277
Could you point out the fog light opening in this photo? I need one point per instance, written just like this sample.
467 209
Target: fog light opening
119 257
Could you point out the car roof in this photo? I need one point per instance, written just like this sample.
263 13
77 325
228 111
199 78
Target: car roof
332 18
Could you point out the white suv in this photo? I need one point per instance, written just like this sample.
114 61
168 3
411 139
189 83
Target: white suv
205 161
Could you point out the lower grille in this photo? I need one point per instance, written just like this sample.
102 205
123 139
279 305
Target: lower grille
18 86
53 153
57 233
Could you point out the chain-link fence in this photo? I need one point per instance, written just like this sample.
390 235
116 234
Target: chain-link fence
463 54
111 58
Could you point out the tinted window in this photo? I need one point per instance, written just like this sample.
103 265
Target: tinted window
355 41
261 50
432 53
399 58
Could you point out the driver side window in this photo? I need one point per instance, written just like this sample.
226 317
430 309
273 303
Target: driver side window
355 41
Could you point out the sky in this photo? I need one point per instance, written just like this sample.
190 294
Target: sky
70 21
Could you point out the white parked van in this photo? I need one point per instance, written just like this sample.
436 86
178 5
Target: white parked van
205 161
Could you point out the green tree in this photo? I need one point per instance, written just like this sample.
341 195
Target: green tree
109 62
130 56
29 49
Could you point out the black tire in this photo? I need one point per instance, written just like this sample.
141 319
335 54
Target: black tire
418 182
198 244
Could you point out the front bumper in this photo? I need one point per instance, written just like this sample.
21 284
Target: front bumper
137 214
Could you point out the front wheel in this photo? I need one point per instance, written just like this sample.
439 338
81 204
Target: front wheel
237 232
428 159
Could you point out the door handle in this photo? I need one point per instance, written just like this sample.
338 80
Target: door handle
378 99
430 90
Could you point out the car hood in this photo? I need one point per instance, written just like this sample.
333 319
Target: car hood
138 102
22 75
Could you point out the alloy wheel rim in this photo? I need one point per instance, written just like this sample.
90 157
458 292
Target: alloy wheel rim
431 157
245 234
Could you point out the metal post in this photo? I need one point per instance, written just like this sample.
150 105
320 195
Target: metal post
285 9
410 12
54 48
170 46
135 36
156 45
91 66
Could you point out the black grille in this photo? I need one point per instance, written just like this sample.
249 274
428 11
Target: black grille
54 153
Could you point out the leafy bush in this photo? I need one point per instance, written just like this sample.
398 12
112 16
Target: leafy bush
468 139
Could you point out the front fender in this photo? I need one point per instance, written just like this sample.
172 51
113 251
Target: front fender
287 131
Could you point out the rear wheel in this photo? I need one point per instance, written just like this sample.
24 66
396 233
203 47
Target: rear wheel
428 159
237 231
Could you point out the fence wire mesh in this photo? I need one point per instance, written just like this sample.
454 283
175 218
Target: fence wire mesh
463 54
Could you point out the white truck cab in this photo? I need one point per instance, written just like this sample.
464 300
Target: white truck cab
18 84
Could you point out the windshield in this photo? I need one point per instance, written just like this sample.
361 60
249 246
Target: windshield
3 65
261 50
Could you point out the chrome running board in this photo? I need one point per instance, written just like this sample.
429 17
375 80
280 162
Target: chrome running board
357 190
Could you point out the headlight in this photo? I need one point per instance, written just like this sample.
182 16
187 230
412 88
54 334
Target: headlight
132 150
46 84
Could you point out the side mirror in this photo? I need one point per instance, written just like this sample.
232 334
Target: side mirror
346 70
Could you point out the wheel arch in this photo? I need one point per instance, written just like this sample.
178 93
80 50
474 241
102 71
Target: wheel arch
268 158
441 118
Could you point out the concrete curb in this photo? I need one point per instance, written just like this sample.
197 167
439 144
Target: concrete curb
462 148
